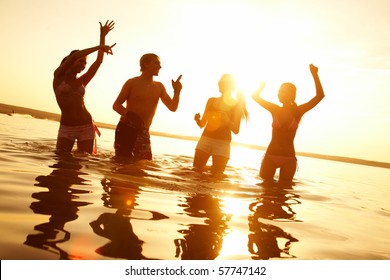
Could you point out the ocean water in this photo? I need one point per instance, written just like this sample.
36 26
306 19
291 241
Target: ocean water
92 207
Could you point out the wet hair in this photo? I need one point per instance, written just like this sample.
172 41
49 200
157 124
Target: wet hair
146 58
66 57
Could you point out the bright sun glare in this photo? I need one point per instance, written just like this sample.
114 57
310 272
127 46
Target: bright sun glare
234 243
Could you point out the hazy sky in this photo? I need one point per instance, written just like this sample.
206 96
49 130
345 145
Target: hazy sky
256 40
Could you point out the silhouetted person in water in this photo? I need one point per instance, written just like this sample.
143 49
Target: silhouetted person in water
221 117
76 122
264 240
203 240
141 95
60 199
281 152
116 227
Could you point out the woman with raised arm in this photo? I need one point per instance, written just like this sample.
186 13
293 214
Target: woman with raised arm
69 88
221 117
281 152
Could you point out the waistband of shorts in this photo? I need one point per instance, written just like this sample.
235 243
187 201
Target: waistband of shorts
214 139
77 126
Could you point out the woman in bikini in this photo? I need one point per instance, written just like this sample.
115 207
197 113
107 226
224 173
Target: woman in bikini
76 122
221 117
281 152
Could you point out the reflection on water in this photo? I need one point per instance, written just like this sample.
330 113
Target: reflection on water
91 207
272 204
202 236
117 227
59 202
202 241
275 204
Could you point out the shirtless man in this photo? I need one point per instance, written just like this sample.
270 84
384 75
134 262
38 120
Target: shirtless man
141 95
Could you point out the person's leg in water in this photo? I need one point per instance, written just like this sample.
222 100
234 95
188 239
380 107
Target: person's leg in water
85 146
65 139
221 156
219 165
64 145
267 170
125 139
287 172
200 160
85 135
142 147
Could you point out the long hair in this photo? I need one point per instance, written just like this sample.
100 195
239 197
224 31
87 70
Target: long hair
242 102
229 81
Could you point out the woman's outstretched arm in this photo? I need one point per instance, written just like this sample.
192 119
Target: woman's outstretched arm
104 29
72 58
265 104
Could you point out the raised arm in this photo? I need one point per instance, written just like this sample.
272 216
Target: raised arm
265 104
172 103
319 92
70 59
104 29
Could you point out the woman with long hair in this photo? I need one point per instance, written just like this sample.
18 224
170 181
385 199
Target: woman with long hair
76 122
221 117
281 152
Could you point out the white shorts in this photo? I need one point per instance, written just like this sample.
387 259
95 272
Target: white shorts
79 132
214 147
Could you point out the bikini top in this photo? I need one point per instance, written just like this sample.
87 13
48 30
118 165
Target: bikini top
217 128
65 89
290 127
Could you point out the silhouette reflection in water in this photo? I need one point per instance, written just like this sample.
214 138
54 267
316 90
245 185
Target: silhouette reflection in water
116 227
272 204
58 202
202 241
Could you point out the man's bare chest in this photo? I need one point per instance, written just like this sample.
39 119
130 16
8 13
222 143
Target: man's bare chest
144 95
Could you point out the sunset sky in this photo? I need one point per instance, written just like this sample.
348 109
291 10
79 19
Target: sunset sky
257 40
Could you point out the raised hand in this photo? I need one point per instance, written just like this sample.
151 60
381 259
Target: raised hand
107 27
259 90
313 69
261 86
177 86
198 120
108 49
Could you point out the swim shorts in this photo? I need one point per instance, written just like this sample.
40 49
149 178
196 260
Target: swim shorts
79 132
214 146
132 138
